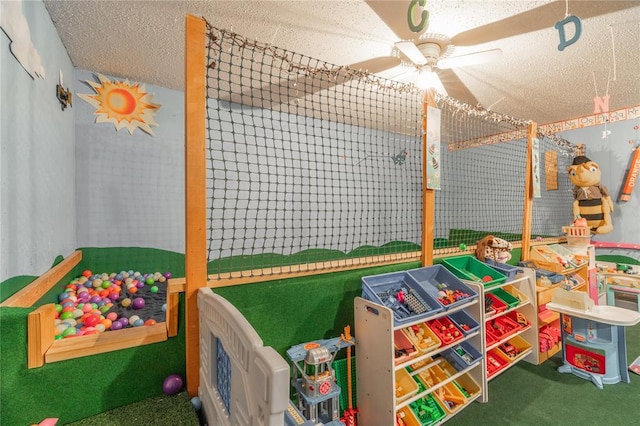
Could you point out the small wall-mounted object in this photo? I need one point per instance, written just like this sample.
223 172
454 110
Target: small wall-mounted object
63 95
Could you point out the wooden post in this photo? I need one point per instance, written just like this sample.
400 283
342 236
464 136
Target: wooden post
195 191
428 195
40 334
528 193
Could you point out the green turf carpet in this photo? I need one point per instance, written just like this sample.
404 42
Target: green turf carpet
175 410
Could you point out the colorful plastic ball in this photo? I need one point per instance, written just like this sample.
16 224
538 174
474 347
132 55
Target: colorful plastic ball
138 303
197 403
149 322
154 289
463 247
66 315
87 273
172 384
167 275
138 323
116 325
126 302
69 331
92 320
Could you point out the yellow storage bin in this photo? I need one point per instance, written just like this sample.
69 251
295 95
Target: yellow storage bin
406 387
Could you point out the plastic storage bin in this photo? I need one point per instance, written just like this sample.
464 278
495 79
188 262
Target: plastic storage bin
468 385
507 270
493 305
437 278
427 411
514 348
464 321
509 299
384 289
470 268
406 387
450 397
495 362
422 337
446 330
462 356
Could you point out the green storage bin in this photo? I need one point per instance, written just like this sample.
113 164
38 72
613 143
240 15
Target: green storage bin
427 410
471 269
508 298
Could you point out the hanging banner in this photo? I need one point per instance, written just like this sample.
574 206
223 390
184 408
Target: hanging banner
433 148
536 168
551 170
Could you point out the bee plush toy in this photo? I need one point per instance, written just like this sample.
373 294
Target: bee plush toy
591 199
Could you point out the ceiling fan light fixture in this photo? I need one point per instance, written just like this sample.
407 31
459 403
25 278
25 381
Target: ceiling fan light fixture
428 79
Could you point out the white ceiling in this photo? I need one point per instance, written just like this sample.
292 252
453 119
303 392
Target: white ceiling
144 41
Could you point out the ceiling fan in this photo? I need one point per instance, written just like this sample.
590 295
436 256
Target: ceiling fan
430 54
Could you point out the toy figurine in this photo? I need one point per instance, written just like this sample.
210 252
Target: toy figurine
591 198
493 248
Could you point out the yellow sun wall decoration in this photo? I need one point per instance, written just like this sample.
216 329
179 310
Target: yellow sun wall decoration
123 104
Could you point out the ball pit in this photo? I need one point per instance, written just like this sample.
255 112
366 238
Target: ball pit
97 303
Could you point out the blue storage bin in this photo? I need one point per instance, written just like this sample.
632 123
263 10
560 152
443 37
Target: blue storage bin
437 277
509 270
462 319
462 355
382 289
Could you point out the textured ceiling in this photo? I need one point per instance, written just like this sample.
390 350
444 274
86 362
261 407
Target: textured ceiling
144 41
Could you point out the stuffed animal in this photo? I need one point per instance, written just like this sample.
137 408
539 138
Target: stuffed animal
494 248
591 199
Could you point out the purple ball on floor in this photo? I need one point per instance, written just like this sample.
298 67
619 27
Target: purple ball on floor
172 384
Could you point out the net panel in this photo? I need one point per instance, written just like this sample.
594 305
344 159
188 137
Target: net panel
483 166
553 209
308 163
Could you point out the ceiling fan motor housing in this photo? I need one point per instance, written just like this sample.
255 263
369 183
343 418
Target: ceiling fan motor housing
431 52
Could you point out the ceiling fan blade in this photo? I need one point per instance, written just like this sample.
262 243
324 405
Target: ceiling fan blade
455 87
411 51
395 15
470 59
542 17
287 90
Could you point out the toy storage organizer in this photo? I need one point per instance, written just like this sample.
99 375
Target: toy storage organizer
440 360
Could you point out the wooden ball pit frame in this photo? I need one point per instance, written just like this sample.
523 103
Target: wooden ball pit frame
43 348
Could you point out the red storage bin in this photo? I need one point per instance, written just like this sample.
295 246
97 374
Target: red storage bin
446 330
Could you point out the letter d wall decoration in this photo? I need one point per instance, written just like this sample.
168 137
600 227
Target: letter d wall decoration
564 43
